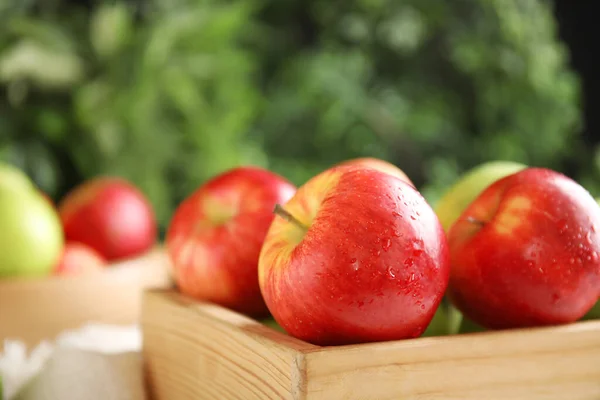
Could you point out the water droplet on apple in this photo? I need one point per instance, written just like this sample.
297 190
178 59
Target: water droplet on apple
589 258
571 261
396 214
580 245
396 234
594 256
563 228
412 277
413 218
391 272
588 238
409 262
387 243
593 227
422 306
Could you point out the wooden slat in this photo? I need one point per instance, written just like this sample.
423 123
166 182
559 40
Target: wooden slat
201 351
545 363
33 310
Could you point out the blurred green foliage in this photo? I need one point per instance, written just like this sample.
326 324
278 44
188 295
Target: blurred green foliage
169 93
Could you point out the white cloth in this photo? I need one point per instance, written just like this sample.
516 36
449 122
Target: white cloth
99 356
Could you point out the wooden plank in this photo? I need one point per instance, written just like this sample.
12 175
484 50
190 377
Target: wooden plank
202 351
198 350
33 310
546 363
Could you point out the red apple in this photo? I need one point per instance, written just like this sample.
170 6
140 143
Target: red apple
378 164
110 215
216 234
357 255
525 252
79 259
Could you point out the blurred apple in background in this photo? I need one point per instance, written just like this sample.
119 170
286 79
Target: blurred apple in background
12 177
357 255
111 216
378 164
526 252
215 236
451 205
447 320
79 259
31 236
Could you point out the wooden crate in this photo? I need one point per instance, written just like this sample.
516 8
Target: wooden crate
32 310
202 351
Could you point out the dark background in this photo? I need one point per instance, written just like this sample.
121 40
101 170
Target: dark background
579 29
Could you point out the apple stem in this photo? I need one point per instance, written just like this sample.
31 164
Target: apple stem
475 221
283 213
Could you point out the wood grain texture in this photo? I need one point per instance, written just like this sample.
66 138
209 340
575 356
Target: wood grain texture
547 363
202 351
32 310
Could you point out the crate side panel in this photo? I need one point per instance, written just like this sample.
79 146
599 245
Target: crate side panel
548 364
192 354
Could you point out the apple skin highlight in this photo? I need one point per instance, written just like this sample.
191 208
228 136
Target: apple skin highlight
216 233
526 252
369 263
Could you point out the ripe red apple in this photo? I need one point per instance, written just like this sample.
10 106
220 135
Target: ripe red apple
216 234
110 215
79 259
526 251
378 164
357 255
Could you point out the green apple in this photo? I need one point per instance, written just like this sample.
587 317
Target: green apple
271 323
469 186
31 235
446 320
594 313
12 177
468 326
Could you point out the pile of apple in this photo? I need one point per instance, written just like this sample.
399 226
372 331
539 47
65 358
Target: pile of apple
356 254
99 222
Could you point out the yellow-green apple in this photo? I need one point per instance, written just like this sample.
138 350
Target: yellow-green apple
31 236
215 236
12 177
526 251
357 255
271 323
110 215
447 320
379 164
451 205
594 313
79 259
